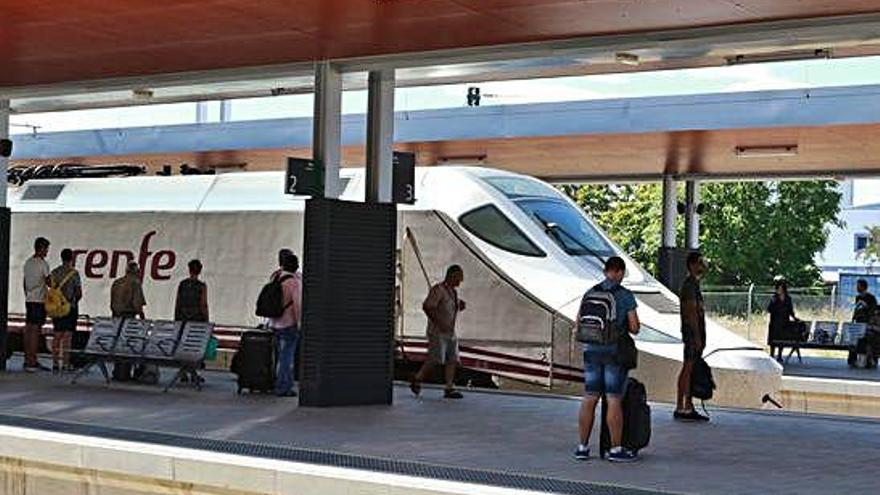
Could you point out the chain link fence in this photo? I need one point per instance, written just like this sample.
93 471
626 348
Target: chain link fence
743 310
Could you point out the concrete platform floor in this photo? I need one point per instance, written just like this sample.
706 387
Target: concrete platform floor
825 367
741 452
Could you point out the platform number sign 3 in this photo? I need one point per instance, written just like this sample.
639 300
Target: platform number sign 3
404 178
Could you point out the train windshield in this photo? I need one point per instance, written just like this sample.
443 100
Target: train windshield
561 221
567 226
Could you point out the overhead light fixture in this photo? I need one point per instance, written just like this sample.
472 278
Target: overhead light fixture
142 94
766 151
463 158
626 58
783 56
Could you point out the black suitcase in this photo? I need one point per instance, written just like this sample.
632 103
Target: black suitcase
254 362
636 419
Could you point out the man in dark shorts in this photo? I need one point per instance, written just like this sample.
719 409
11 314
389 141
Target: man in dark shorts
36 286
693 333
67 280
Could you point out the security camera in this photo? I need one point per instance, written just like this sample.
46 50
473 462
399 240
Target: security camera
5 148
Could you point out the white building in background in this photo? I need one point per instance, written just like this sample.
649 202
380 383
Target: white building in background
843 253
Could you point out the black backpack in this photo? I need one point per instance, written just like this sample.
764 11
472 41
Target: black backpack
702 383
270 302
598 317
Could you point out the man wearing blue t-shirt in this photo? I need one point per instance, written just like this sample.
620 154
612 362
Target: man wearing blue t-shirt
602 373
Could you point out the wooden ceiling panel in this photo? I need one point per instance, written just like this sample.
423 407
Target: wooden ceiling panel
215 34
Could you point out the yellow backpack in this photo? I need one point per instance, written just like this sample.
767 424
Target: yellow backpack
57 306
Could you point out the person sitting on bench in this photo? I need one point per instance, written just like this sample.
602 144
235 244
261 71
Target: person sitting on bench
781 309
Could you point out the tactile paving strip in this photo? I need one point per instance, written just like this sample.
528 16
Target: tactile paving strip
309 456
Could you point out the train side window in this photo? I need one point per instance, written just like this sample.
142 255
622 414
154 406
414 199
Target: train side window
42 192
489 224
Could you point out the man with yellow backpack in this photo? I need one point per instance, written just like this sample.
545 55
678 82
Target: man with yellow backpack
62 305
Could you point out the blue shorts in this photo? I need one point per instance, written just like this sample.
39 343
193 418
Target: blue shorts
603 375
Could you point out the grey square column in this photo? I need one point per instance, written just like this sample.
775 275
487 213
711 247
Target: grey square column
327 125
380 136
5 227
692 215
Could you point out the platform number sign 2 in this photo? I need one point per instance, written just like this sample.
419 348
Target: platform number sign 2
304 177
404 178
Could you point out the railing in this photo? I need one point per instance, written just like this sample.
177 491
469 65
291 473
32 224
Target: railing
743 310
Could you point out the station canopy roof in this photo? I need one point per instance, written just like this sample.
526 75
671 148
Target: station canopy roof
76 54
65 54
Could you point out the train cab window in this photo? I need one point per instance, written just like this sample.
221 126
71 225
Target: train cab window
489 224
517 187
42 192
567 227
649 334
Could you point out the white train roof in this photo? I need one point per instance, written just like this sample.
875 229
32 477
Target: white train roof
243 191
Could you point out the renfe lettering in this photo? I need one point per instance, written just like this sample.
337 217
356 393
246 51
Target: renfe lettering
95 260
159 266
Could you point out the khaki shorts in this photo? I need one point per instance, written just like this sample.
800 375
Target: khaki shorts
442 349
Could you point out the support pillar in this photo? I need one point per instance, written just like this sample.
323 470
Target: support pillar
670 207
225 110
667 257
380 136
5 224
201 112
327 125
692 217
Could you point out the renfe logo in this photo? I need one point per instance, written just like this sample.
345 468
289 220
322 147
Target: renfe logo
96 261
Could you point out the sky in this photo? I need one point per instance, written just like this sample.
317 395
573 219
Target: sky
752 77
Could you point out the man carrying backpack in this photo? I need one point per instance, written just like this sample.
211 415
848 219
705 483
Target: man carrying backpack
693 333
286 325
66 279
608 311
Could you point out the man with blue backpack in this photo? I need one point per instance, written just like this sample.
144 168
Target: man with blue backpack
606 316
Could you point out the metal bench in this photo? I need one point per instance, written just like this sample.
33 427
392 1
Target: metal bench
162 343
826 335
101 346
190 352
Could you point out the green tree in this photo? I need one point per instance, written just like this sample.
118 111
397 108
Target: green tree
751 231
871 254
629 213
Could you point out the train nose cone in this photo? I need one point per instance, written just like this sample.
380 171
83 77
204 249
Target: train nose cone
753 360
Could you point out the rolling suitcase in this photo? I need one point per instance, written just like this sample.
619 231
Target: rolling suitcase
636 419
254 362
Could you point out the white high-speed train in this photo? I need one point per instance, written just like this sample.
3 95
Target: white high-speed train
528 253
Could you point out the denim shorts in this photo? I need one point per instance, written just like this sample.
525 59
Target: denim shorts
602 374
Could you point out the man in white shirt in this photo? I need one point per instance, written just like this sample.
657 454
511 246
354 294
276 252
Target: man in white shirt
36 285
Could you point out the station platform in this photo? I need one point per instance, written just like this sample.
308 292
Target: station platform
513 441
827 367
